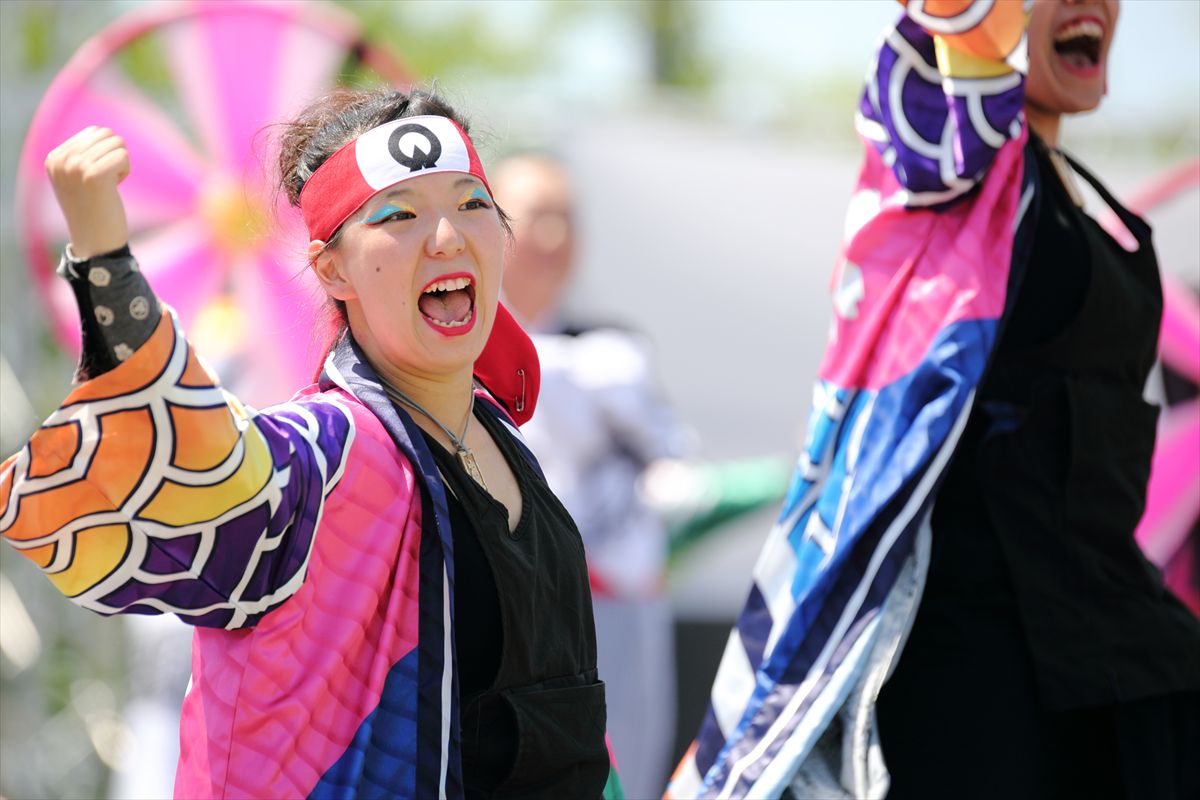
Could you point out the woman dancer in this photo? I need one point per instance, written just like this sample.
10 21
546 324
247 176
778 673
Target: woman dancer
1046 659
980 415
388 600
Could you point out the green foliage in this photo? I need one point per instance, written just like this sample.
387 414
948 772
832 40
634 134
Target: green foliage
144 62
460 38
37 36
674 27
461 42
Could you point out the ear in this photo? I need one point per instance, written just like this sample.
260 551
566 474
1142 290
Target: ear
330 271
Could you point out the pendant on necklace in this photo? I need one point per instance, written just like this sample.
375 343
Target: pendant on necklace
467 459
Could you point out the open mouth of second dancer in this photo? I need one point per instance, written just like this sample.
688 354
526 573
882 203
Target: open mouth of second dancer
1078 44
447 304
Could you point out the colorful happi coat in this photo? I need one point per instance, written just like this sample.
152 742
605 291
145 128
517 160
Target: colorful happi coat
309 544
934 243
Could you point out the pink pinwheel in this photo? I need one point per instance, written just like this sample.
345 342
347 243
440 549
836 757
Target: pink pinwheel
201 207
1167 531
1173 501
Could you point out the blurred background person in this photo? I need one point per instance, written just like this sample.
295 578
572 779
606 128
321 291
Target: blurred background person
601 422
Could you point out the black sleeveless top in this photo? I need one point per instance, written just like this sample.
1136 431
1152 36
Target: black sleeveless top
532 708
1038 509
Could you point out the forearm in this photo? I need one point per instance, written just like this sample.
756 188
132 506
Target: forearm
153 489
939 106
117 308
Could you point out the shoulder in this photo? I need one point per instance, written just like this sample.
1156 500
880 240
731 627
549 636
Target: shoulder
337 412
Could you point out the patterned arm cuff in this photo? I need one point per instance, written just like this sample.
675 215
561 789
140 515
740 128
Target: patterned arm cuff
117 308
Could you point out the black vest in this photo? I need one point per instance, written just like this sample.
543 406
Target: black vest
1040 504
533 713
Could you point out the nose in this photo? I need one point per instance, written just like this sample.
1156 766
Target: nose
445 241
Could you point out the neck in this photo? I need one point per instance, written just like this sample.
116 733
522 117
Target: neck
1044 123
449 401
446 396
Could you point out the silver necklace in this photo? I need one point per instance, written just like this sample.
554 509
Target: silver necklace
465 457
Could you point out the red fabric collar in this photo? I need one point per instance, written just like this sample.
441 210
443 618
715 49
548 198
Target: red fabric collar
509 368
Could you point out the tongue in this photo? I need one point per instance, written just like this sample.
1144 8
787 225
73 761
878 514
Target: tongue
1077 58
446 306
1077 52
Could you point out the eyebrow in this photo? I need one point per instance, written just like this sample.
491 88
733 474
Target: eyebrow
463 181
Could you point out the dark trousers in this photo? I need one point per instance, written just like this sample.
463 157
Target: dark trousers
960 718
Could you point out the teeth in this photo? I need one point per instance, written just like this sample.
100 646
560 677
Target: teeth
1080 28
458 323
449 285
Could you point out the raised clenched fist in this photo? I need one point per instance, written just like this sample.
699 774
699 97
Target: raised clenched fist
85 171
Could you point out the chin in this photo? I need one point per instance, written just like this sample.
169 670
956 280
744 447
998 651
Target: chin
1081 102
1065 94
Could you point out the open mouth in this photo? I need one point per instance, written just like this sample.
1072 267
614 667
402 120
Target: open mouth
448 303
1078 43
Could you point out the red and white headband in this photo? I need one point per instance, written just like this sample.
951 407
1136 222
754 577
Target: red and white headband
382 157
